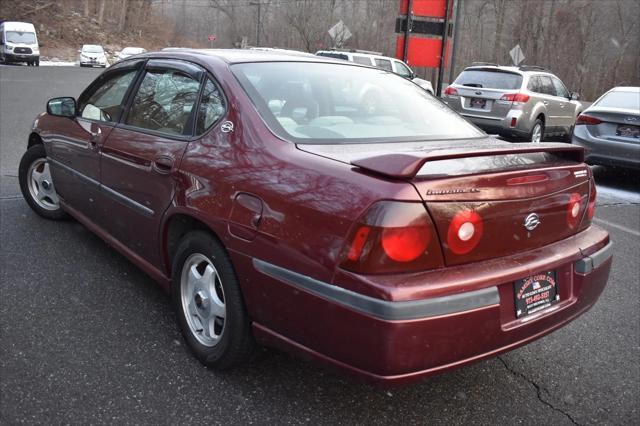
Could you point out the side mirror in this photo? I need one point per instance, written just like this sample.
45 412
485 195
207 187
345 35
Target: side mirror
575 96
79 51
62 107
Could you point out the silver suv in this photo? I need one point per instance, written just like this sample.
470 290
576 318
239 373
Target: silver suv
526 102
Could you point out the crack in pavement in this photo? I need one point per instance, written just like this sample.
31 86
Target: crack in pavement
539 390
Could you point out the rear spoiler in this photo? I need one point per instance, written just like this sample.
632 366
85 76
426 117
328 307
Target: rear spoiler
407 165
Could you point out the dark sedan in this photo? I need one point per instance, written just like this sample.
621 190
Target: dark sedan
322 207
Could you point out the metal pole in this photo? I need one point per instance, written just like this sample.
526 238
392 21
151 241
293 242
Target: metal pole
443 51
407 31
454 52
257 3
258 30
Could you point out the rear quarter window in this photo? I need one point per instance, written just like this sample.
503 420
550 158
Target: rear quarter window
489 79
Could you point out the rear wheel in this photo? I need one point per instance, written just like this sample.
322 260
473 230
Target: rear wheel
37 62
209 305
37 186
537 132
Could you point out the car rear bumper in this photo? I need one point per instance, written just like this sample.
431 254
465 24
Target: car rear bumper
502 126
471 315
607 152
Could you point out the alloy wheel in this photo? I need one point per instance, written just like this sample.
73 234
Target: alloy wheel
203 301
536 134
40 185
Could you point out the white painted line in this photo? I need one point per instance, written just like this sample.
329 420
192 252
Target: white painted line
620 227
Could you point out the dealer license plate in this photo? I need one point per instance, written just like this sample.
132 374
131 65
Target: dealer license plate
628 131
536 293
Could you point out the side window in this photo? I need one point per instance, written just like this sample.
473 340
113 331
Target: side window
403 70
164 101
363 60
547 86
212 107
385 64
560 89
534 84
105 103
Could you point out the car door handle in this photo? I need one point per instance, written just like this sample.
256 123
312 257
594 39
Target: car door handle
95 138
545 102
162 165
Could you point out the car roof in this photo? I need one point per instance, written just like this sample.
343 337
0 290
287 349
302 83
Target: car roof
359 53
512 69
234 56
630 89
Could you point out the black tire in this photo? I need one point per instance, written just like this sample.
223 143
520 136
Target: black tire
540 123
33 154
236 341
37 62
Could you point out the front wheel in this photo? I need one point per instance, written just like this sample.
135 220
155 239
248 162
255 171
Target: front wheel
209 304
36 184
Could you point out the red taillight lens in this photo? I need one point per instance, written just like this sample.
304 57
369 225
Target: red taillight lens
591 209
574 210
450 91
465 231
515 97
393 237
407 243
587 119
357 244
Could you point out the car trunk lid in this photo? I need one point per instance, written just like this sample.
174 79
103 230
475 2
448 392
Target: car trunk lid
617 124
504 184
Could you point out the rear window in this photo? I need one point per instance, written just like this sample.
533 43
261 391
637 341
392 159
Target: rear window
333 103
489 79
627 100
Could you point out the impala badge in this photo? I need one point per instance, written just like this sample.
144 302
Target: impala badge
632 119
531 221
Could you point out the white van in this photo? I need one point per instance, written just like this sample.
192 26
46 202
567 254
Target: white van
375 59
18 43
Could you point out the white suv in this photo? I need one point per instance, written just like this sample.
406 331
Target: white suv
373 59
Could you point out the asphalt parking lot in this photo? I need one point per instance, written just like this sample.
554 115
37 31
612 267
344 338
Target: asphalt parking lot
86 337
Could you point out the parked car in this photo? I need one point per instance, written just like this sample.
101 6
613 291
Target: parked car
610 129
393 242
521 103
92 55
19 43
129 51
375 59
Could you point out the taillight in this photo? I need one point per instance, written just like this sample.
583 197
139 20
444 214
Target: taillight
574 210
591 209
518 98
587 119
393 236
450 91
465 231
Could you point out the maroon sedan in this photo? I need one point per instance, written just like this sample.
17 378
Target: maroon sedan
322 207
